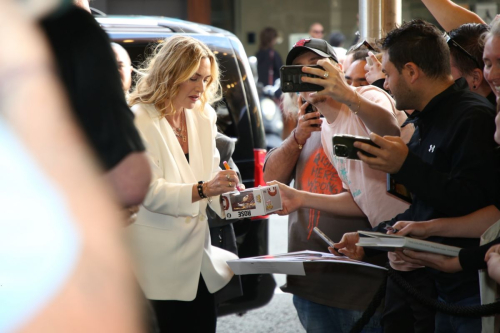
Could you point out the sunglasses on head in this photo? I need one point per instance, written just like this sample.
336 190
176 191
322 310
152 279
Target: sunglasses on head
361 46
451 42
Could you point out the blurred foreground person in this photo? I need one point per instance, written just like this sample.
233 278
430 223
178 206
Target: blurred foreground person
88 70
177 267
57 272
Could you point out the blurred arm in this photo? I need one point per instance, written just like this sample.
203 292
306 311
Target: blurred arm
130 179
450 15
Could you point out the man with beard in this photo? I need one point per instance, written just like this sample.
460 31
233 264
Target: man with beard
449 165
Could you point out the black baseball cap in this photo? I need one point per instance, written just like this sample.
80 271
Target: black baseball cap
316 45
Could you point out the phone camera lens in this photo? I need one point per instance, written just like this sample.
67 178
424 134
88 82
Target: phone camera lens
341 150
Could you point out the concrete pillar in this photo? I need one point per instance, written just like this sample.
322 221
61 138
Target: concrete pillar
391 15
370 19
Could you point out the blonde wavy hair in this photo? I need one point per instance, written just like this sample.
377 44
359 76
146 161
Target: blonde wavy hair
173 62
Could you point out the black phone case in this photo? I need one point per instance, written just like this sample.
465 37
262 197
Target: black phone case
310 109
343 146
291 82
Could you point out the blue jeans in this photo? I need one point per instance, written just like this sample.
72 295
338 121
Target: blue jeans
317 318
446 323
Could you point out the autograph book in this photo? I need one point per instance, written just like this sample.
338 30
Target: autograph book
390 242
289 263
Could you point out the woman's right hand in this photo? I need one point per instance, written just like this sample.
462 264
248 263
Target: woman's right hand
223 182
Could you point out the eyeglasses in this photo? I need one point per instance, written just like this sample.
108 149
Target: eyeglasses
451 42
362 45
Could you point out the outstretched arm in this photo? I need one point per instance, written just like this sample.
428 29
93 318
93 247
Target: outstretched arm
376 116
341 204
450 15
472 225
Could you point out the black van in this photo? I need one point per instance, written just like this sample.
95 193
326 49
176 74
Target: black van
238 116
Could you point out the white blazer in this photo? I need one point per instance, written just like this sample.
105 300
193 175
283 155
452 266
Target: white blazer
170 240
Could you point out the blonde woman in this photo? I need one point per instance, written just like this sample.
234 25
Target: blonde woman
177 267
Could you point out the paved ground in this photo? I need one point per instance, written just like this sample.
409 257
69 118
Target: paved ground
277 316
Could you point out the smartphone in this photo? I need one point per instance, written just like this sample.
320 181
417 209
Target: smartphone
291 79
324 237
310 109
343 146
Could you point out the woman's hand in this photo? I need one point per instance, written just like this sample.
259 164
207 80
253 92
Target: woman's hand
347 246
306 122
334 82
436 261
223 182
373 70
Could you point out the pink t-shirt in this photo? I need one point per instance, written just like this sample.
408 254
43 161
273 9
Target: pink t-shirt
367 186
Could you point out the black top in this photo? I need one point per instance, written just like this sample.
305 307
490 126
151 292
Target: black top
492 98
473 258
268 62
451 170
88 69
380 84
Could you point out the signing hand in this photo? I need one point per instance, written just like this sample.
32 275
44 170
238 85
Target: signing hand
347 246
389 157
223 182
436 261
373 70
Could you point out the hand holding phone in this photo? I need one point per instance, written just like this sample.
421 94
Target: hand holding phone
310 109
343 146
326 239
323 237
291 79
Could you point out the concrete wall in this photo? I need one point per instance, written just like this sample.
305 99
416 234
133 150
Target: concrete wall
170 8
293 16
286 16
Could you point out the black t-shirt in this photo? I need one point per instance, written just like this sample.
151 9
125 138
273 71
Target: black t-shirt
268 60
89 72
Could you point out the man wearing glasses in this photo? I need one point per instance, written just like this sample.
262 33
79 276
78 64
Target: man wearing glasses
316 30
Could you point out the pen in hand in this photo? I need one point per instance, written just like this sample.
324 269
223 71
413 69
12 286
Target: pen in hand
390 228
240 187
